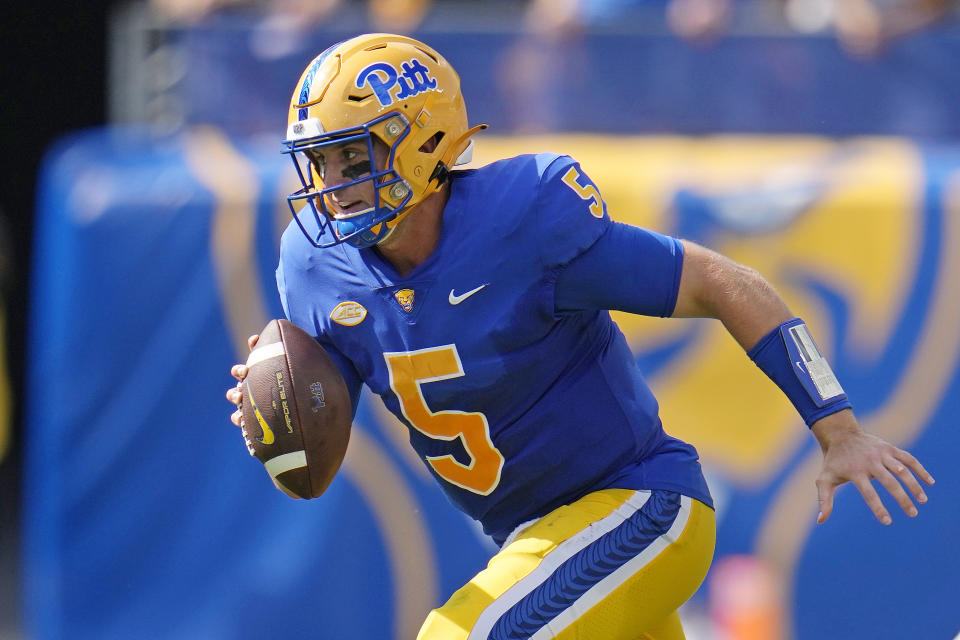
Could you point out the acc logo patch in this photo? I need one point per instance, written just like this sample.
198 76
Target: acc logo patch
405 298
383 78
348 313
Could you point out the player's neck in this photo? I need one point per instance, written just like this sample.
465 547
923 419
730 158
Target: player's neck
416 237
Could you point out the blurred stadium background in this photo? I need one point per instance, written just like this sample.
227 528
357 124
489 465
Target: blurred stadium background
140 206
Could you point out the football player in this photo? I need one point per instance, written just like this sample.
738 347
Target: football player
475 304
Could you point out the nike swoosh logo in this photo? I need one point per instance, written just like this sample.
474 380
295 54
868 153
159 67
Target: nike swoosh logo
457 299
268 437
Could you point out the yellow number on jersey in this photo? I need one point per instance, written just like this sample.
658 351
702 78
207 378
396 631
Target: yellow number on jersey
588 192
408 370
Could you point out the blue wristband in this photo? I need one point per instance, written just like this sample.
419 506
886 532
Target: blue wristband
790 357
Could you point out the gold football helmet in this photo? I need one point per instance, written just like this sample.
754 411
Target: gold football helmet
385 87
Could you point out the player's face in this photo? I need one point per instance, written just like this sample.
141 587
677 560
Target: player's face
344 163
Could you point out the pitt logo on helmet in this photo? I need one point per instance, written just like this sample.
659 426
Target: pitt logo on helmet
419 114
383 76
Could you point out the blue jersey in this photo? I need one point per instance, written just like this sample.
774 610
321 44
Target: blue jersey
516 407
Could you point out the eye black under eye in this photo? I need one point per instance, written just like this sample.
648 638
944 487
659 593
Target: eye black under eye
354 171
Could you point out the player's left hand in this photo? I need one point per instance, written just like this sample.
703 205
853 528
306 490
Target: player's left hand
852 455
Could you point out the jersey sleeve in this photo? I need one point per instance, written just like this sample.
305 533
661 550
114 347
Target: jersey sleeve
570 214
300 315
628 269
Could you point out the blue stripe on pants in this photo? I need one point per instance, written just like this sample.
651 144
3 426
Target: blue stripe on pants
588 567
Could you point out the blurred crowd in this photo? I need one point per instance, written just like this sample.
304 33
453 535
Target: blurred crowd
862 27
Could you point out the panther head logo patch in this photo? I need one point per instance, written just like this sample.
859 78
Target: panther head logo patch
405 298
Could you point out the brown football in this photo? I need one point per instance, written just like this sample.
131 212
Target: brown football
296 409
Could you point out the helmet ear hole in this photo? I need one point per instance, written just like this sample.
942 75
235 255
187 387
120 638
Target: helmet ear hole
432 143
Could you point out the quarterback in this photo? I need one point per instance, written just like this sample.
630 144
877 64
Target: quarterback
476 303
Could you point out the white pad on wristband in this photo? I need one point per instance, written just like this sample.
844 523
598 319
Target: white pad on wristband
811 365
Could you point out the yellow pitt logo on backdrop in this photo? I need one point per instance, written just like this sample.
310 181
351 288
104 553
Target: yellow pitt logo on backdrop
405 298
812 216
838 214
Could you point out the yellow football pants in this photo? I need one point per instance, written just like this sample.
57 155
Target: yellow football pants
615 565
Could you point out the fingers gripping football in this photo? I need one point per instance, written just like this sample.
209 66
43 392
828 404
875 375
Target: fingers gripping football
235 394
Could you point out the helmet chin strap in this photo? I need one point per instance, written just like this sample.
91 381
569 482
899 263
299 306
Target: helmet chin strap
368 237
364 239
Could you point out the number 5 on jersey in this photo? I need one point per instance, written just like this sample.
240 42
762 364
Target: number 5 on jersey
586 192
410 369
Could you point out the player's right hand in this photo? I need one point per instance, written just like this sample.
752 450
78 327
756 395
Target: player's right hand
235 394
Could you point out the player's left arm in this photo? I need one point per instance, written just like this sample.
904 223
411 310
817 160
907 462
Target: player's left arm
713 286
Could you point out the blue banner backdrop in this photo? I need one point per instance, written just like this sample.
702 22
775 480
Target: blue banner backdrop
154 260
